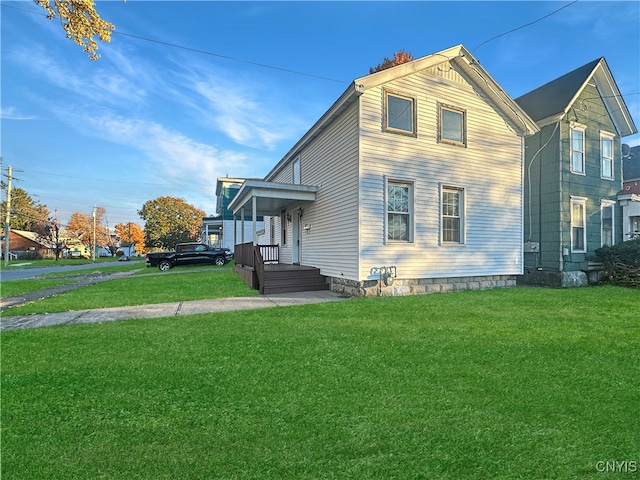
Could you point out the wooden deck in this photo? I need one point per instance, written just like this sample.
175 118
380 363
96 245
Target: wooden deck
252 264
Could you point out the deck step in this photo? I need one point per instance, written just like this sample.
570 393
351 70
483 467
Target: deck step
288 281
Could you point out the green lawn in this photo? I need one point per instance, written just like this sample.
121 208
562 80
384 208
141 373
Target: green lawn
519 383
179 284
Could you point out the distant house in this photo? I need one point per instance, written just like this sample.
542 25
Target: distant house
411 182
629 197
218 231
573 173
26 244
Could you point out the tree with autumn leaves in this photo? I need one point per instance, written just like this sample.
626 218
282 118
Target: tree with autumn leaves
398 59
131 233
80 22
170 220
83 226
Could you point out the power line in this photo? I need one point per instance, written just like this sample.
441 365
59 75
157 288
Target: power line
525 25
205 52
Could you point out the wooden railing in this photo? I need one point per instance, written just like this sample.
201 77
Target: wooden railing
253 257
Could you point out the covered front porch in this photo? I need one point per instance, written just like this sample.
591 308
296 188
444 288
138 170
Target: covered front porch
260 266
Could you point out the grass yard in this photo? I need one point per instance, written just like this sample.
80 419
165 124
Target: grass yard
177 285
521 383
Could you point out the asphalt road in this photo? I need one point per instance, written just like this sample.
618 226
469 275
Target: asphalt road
20 273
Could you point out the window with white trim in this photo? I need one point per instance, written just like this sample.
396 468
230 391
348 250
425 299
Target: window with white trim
606 155
296 171
577 149
452 125
607 215
452 215
578 224
399 113
399 211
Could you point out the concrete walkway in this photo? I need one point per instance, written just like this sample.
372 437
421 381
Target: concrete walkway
166 309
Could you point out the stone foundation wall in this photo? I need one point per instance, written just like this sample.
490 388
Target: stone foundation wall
419 286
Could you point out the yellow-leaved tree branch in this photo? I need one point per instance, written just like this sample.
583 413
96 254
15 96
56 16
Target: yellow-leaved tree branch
80 21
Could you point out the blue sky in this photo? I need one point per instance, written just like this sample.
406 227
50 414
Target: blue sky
149 119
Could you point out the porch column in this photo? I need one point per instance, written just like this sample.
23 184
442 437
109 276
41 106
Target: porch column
242 224
254 205
235 229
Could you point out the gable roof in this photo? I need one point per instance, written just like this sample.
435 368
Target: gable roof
459 57
631 164
550 102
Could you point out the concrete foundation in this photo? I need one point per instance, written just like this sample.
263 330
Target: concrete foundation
400 287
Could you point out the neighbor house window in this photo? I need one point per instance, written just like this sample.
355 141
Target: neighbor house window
399 113
399 211
578 225
606 220
577 149
606 155
452 211
452 125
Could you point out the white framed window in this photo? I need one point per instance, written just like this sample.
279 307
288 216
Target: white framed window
452 125
296 171
399 211
606 155
578 148
578 224
452 208
607 222
399 113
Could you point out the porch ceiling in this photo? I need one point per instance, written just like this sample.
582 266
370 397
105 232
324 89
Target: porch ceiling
270 198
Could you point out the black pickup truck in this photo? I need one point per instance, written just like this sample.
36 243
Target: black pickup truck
189 254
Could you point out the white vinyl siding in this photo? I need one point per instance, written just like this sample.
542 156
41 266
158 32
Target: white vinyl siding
329 162
492 180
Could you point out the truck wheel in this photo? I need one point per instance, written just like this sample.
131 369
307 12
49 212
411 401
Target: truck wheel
164 265
219 261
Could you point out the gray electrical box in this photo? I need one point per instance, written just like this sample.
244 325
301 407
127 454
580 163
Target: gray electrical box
531 247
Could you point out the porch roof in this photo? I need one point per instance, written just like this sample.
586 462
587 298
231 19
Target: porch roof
270 197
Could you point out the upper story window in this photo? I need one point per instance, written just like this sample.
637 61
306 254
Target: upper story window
399 211
606 155
452 125
577 149
452 211
399 113
296 171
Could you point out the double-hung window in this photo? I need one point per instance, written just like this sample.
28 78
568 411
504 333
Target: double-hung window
606 155
577 149
452 215
399 113
578 224
399 211
607 222
452 125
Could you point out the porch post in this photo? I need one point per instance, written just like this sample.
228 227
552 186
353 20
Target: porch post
242 224
235 229
254 205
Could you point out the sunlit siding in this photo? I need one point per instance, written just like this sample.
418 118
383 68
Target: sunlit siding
329 162
489 170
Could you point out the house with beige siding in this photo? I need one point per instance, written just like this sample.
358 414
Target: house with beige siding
410 183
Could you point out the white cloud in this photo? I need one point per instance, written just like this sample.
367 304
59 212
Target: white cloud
12 113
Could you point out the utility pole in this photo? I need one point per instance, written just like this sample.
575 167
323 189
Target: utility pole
7 220
94 233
